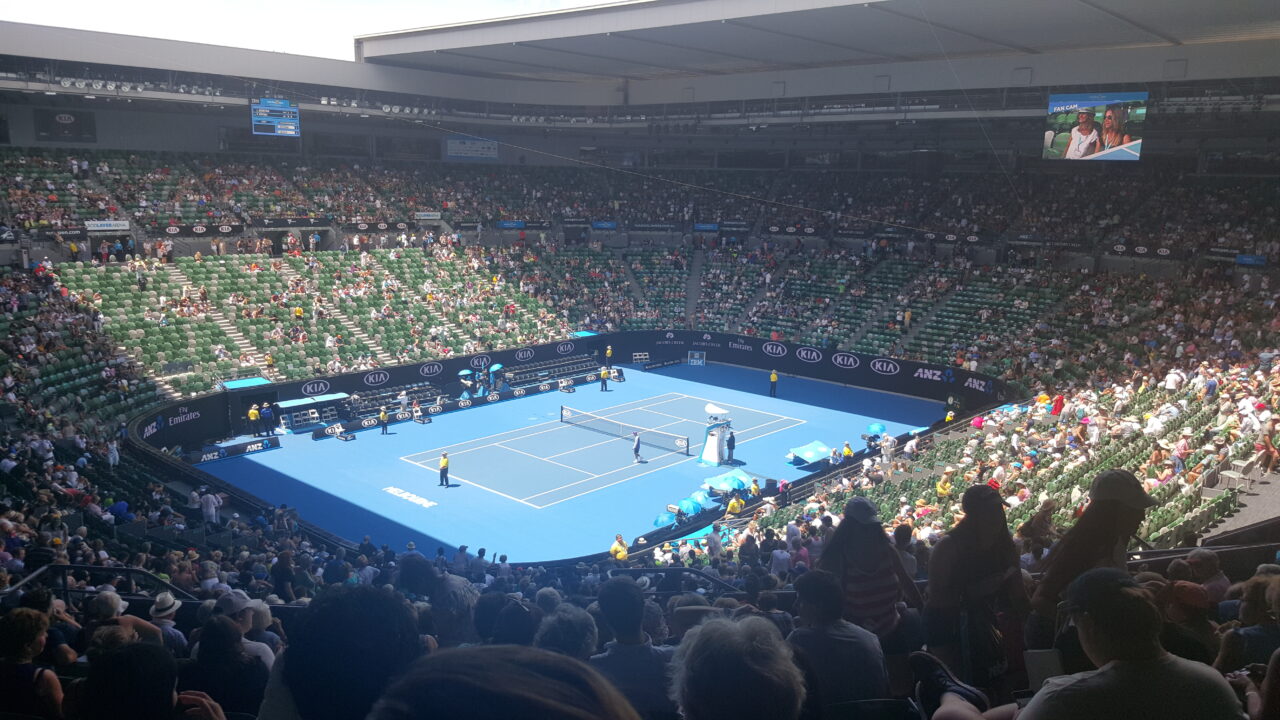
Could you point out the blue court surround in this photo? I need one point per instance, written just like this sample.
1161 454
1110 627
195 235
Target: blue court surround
527 485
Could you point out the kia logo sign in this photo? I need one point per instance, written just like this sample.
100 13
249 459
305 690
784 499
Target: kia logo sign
774 228
564 348
402 226
524 354
1162 251
951 238
1118 248
845 360
172 230
435 410
481 362
774 349
65 118
382 226
315 387
199 229
519 392
1140 250
431 369
493 397
808 354
224 228
376 378
543 387
885 366
362 226
464 403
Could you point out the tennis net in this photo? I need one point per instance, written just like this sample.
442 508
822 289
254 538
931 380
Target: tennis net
653 438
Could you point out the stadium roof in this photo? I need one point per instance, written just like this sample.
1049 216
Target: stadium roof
660 39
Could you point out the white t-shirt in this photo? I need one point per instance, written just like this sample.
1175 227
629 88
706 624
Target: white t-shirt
1169 688
1080 142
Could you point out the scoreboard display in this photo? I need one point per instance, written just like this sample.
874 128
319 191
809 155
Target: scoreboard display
272 116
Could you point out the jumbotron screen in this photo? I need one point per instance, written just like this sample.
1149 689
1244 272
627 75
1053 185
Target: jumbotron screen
273 116
1102 126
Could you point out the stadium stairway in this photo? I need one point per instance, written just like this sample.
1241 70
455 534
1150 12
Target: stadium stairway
632 283
693 286
221 320
918 323
384 357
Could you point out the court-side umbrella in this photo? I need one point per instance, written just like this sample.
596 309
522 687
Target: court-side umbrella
876 428
664 519
725 481
463 373
703 498
495 367
690 506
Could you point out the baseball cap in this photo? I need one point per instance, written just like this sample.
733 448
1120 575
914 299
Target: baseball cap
1097 590
232 603
861 510
1122 486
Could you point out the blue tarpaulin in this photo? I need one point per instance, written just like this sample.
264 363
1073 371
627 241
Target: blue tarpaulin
732 480
815 451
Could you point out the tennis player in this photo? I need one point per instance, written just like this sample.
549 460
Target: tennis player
635 446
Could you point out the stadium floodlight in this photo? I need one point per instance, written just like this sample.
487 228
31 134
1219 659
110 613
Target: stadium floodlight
65 82
395 108
386 108
80 84
126 87
97 84
111 86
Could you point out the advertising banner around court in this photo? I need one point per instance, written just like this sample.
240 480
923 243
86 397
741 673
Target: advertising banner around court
1156 252
394 225
281 223
244 448
194 421
905 377
197 230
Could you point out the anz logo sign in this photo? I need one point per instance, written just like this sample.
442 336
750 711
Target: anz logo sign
809 355
936 374
315 387
774 349
431 369
376 378
885 366
974 383
481 362
216 455
845 360
524 354
563 348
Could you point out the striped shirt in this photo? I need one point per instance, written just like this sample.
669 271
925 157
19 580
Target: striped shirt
871 597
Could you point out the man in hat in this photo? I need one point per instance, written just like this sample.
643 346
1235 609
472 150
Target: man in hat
1181 450
1119 628
254 417
237 606
773 383
162 613
382 419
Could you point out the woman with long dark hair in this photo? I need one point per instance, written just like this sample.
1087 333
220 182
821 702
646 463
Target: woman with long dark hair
875 586
1117 505
223 670
976 577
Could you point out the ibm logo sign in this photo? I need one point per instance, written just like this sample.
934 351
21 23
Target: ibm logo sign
885 366
565 348
808 354
431 369
524 354
845 360
315 387
376 378
774 349
481 362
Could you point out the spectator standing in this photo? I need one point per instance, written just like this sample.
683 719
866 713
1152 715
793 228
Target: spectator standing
28 689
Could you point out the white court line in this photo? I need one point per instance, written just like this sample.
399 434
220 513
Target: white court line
741 407
539 457
453 477
434 451
633 477
579 482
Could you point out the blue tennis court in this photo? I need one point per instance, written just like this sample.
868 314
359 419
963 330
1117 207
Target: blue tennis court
526 484
554 462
